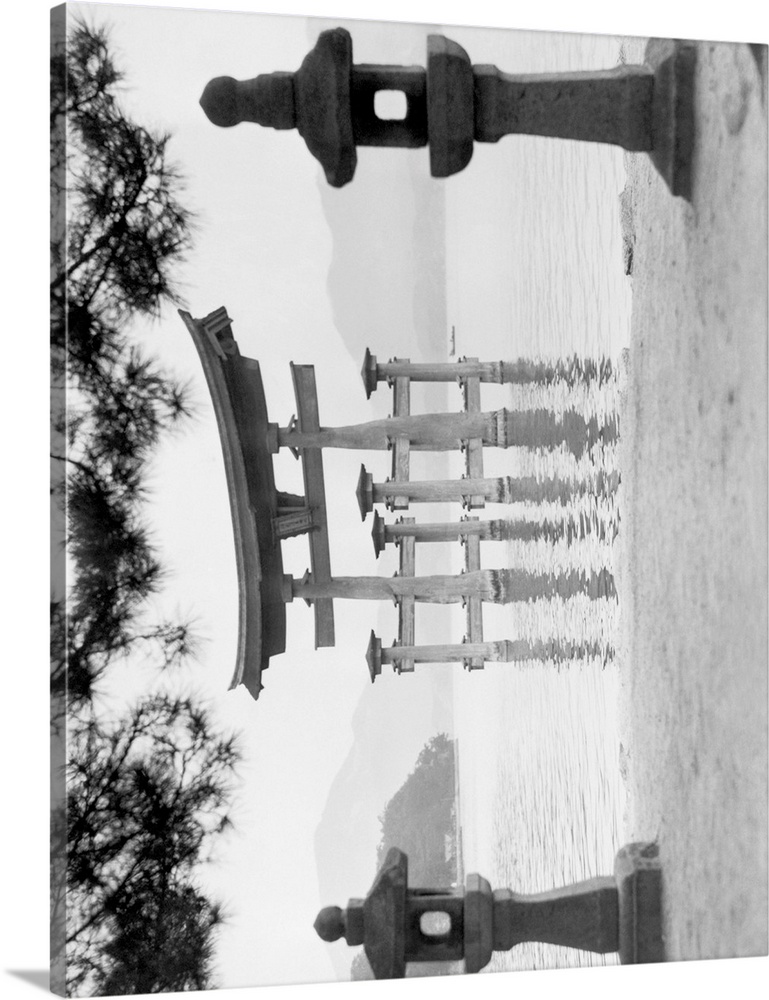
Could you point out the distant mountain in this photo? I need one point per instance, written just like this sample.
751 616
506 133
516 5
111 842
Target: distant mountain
420 819
387 279
390 726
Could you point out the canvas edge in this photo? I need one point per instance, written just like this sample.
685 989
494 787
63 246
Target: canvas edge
58 855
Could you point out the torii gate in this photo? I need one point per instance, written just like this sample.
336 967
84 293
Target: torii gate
538 428
263 515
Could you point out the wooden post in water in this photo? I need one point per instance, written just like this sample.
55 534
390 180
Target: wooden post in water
488 585
406 609
473 655
384 533
500 586
401 444
502 428
520 372
500 651
497 529
472 447
501 489
473 605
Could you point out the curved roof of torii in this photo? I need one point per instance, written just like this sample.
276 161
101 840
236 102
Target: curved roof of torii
235 384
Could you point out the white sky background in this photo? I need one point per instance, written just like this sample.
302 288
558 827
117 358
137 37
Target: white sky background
263 250
24 936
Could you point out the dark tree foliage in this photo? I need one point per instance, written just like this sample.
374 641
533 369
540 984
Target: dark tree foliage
125 234
147 795
420 815
126 229
163 942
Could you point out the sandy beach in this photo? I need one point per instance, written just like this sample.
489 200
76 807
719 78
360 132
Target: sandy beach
692 574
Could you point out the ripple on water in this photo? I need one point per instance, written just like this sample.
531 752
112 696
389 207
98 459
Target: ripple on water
538 741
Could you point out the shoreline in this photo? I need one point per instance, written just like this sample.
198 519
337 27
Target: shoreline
691 565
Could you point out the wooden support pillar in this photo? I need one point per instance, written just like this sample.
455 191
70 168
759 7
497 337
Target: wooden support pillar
502 428
401 445
473 447
502 489
471 653
305 393
496 529
488 585
502 651
520 372
499 651
473 605
499 586
406 604
424 432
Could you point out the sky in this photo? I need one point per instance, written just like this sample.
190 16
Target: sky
263 250
334 686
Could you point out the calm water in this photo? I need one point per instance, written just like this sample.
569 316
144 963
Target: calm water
535 269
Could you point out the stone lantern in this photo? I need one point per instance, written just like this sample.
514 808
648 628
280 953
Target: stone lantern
397 925
451 104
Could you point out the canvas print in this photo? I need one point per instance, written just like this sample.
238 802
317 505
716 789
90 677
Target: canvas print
409 398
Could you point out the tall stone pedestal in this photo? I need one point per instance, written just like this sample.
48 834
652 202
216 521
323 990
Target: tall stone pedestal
396 925
452 104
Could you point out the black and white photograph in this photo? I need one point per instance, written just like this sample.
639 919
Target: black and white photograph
408 501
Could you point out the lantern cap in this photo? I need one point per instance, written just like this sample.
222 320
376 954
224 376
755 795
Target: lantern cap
364 491
378 534
329 924
384 917
374 656
368 373
323 105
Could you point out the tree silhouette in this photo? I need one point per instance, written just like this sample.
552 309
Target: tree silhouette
126 228
421 814
137 799
125 234
146 796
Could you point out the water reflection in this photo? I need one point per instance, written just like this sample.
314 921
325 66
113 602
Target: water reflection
561 535
568 371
